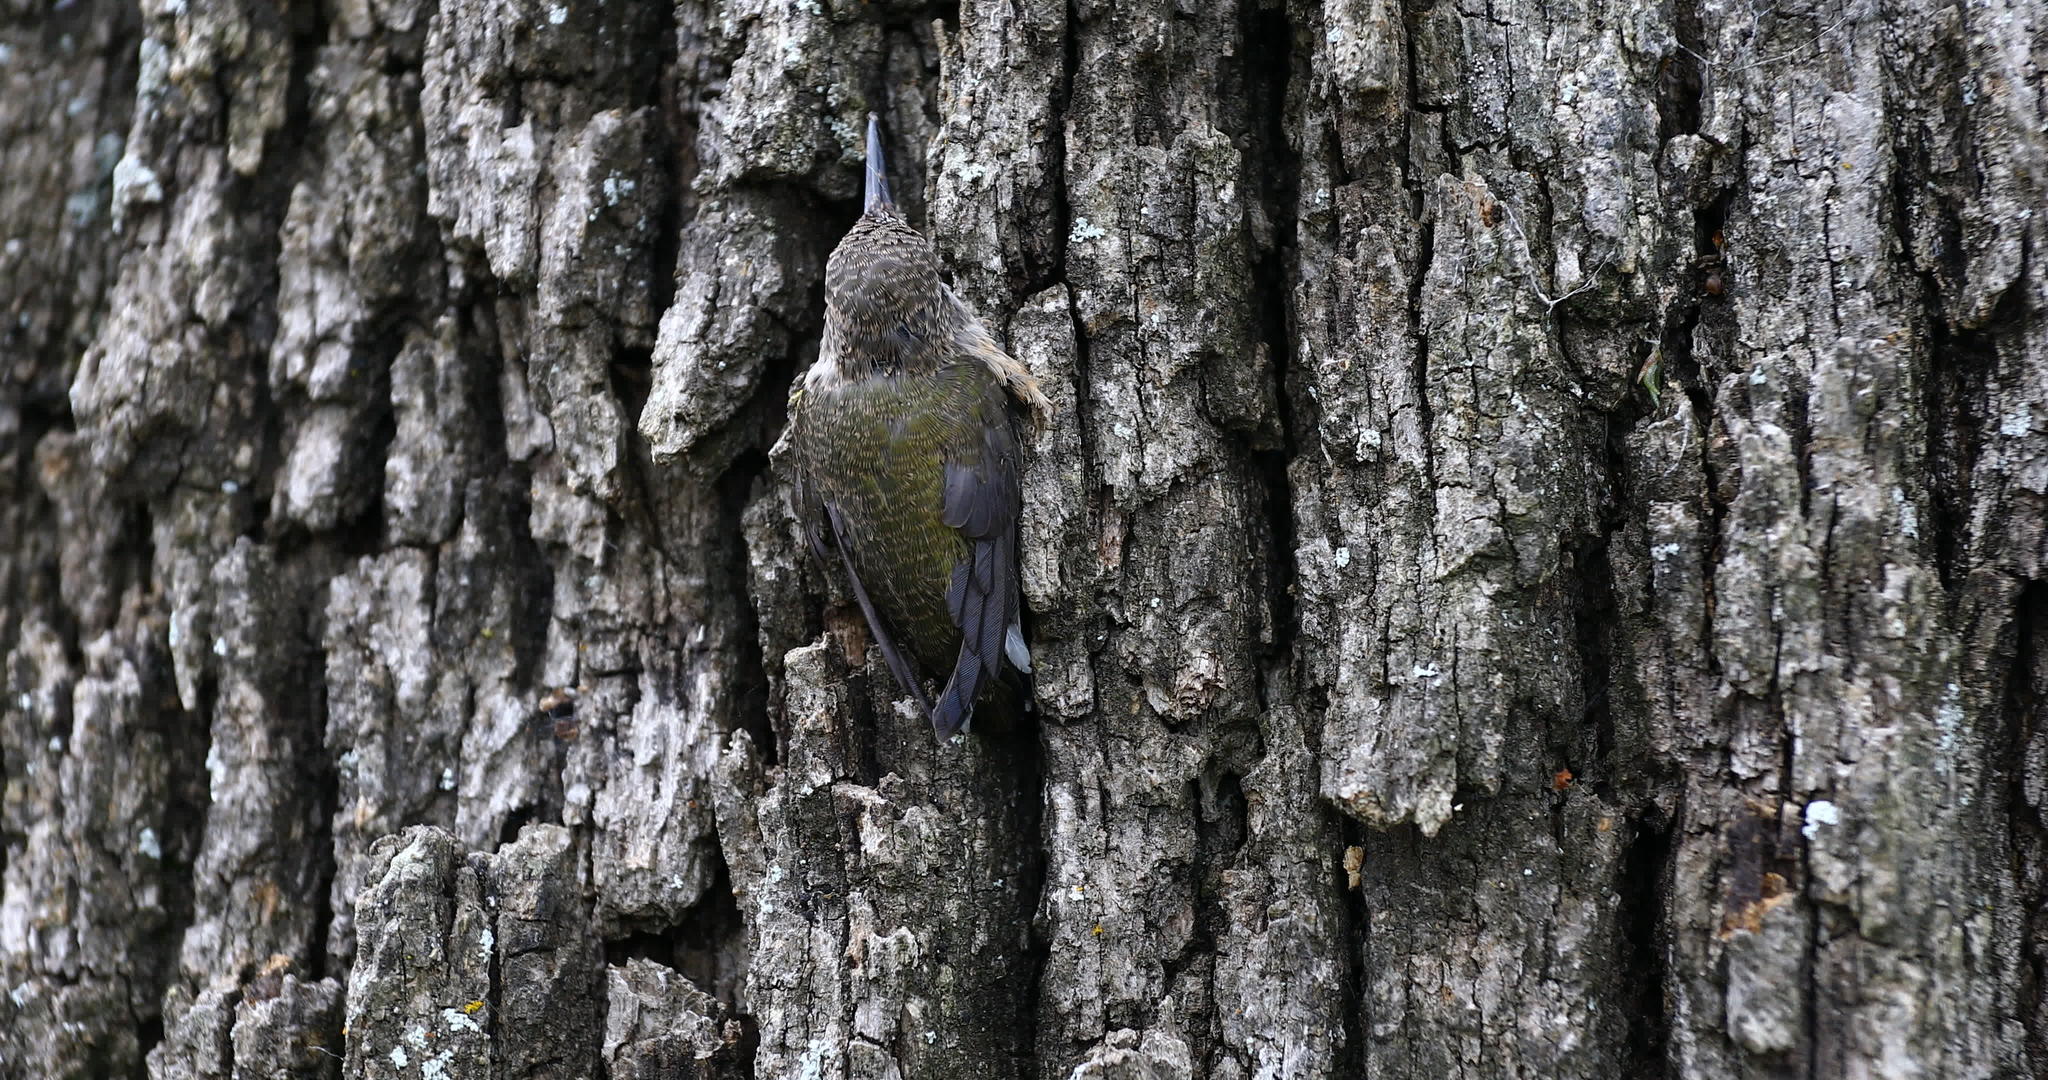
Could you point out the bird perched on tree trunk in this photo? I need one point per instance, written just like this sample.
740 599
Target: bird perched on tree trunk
905 442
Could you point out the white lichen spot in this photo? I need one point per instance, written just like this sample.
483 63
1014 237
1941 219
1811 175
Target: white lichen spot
558 15
1909 515
229 487
416 1036
147 844
220 646
56 745
1425 671
21 995
485 942
842 132
811 1064
1343 557
971 173
1083 231
1663 551
2018 422
399 1059
1948 717
457 1020
1756 377
1156 602
26 701
616 188
136 184
1820 812
436 1067
447 779
14 245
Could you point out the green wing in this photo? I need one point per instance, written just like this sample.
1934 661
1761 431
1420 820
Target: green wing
915 479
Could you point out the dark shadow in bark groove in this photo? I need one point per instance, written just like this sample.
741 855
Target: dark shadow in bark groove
632 376
1269 74
1425 411
1221 827
1701 314
189 799
1596 616
1030 763
326 784
36 584
1680 75
735 490
1698 304
1643 887
500 491
706 944
149 1031
1959 367
2026 687
519 818
1357 939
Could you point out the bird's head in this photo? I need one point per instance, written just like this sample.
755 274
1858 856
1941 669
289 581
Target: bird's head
884 302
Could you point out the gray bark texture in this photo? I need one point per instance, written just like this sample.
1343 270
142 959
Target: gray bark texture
1538 566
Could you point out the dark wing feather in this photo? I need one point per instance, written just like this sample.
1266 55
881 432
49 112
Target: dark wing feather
898 666
983 498
810 512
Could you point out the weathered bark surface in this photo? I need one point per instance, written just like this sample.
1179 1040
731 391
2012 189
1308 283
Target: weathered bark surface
1539 564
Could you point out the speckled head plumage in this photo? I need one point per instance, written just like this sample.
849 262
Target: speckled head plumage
885 307
887 312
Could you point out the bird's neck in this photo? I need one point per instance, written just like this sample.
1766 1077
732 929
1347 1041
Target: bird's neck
866 348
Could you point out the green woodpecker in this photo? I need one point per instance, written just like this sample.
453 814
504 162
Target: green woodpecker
905 445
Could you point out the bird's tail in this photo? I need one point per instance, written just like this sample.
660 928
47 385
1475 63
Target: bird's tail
1002 704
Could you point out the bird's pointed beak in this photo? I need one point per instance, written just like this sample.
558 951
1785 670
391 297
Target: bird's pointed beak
878 172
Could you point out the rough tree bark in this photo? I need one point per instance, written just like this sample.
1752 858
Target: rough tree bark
1538 568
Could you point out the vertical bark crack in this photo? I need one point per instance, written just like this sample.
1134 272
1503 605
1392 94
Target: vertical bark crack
2025 689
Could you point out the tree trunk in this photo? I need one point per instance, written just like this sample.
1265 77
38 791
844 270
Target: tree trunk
1539 564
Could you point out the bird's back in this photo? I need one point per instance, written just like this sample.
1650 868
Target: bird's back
877 449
